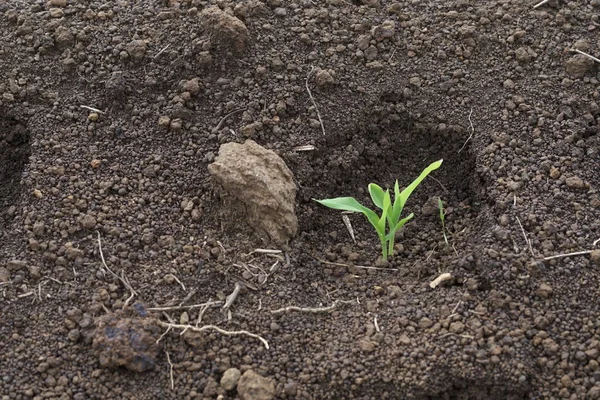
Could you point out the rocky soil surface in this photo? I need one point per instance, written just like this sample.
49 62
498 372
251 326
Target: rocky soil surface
130 269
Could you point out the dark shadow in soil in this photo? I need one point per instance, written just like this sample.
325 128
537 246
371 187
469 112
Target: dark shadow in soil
470 390
14 155
386 144
455 390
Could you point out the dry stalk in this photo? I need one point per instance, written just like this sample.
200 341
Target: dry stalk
222 121
313 310
472 131
93 109
161 51
122 278
174 308
443 277
312 99
577 253
215 328
583 53
170 370
231 298
526 238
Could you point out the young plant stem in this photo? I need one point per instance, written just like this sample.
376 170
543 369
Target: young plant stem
391 246
384 249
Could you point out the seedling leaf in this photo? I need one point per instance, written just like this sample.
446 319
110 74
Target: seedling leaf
377 194
408 191
350 204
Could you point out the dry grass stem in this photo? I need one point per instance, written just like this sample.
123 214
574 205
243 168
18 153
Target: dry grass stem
577 253
265 251
170 370
163 335
214 328
541 3
312 99
201 314
174 308
583 53
354 266
222 121
122 278
231 298
472 131
313 310
178 281
93 109
526 238
162 51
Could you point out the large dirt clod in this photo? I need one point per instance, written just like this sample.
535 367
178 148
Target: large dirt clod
226 30
126 342
259 179
252 386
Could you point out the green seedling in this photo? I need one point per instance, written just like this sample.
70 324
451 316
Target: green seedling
443 219
390 212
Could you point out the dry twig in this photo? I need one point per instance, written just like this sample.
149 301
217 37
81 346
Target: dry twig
472 131
201 314
312 99
170 370
178 281
577 253
215 328
526 238
353 266
181 307
314 310
222 121
93 109
163 335
161 51
231 298
443 277
122 278
583 53
541 3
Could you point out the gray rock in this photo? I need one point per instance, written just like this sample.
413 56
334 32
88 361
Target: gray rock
16 265
575 182
595 256
227 30
259 179
88 222
324 78
4 275
252 386
63 36
136 49
579 65
38 228
230 379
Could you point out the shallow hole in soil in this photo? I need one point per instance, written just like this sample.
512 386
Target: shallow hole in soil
14 155
388 146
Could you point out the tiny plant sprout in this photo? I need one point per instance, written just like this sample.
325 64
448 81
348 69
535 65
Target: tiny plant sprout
390 211
443 219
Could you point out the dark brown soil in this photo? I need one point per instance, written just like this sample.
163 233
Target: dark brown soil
110 113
